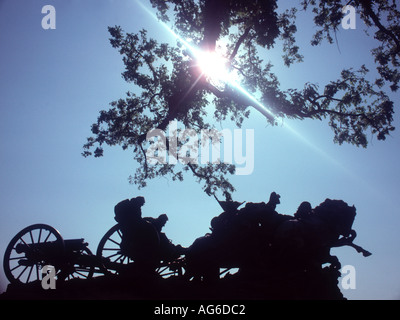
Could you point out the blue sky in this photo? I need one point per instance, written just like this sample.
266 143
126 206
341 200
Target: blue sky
53 83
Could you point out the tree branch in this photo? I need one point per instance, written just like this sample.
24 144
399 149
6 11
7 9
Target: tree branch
146 168
366 4
239 43
201 176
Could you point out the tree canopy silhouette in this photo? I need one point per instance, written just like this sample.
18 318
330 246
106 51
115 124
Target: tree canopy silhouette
169 85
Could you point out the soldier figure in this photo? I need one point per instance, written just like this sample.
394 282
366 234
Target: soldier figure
167 251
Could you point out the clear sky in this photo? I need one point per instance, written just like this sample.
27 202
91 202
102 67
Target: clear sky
53 83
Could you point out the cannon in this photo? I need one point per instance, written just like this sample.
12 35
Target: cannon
39 245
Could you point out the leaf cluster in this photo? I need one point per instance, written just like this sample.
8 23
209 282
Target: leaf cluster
169 86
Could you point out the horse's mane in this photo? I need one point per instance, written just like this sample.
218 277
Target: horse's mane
338 214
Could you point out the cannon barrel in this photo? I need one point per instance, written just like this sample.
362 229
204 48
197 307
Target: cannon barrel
75 244
70 245
45 246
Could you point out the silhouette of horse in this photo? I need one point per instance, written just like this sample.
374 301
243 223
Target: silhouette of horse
305 242
239 239
258 238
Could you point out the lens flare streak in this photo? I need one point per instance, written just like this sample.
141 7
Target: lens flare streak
216 69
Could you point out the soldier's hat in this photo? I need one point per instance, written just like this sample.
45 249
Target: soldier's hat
137 202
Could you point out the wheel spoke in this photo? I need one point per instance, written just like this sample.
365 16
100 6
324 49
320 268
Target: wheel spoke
37 272
48 236
123 259
16 267
40 235
225 271
29 275
112 240
17 258
81 274
82 269
19 276
30 233
162 269
113 255
23 241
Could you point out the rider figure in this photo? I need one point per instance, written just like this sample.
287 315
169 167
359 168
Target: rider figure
303 211
142 239
129 211
168 251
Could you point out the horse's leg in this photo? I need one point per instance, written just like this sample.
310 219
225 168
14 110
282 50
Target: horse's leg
359 249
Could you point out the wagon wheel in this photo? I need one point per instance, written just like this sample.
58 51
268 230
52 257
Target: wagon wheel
115 260
24 266
109 250
175 268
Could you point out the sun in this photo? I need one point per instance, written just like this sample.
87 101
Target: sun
214 67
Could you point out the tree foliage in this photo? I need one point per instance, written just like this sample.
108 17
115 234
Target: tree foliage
169 86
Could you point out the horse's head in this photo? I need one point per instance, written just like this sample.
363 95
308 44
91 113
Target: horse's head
337 214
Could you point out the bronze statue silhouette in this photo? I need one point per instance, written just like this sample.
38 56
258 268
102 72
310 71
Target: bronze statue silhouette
167 251
140 239
258 239
268 249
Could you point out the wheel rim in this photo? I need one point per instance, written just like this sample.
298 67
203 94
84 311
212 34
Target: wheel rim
19 267
109 250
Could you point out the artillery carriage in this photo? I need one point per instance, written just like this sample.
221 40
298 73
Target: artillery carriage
39 245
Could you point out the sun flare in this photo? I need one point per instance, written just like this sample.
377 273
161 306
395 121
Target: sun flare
214 66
